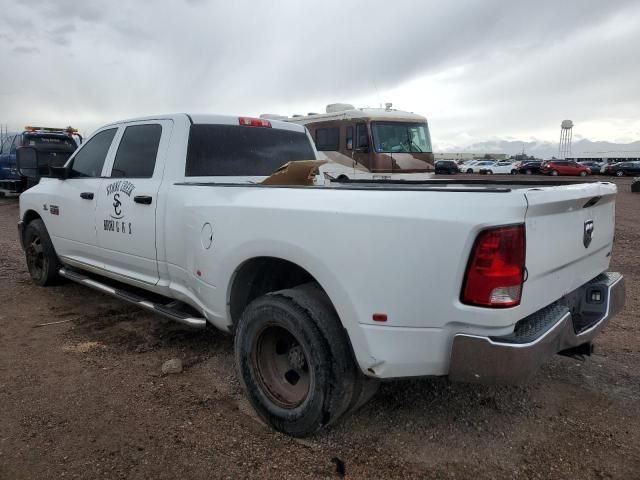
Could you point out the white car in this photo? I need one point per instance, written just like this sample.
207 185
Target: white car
499 168
327 288
477 165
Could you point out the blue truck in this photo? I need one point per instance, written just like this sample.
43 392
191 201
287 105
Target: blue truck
55 146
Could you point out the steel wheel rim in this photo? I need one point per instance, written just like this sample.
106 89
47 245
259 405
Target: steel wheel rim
35 257
281 366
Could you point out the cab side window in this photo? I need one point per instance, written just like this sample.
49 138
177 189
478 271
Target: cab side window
349 138
89 160
136 156
328 139
362 138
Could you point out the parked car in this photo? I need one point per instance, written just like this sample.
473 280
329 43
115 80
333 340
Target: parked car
564 167
503 168
463 164
594 166
621 169
447 166
195 218
529 167
475 166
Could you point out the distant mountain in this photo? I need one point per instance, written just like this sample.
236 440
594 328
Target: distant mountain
543 149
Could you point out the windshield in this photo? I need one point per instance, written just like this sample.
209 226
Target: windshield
400 137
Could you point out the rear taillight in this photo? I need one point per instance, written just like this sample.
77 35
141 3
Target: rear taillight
254 122
495 272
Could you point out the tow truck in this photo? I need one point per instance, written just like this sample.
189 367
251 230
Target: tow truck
55 146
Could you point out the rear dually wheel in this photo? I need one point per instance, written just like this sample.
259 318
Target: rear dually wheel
295 362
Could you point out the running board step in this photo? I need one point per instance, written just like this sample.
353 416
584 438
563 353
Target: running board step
164 310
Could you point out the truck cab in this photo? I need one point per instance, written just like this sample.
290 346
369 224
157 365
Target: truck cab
54 146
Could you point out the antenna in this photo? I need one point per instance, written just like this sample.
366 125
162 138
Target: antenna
566 133
377 92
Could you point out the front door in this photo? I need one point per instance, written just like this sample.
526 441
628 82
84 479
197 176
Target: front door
128 198
70 213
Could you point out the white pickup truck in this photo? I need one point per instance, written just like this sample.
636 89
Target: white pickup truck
327 288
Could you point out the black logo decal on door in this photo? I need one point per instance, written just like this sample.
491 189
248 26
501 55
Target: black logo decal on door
118 190
117 204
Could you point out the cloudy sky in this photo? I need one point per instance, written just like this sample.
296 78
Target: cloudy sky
479 70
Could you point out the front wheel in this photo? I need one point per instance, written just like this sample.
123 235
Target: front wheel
583 173
554 173
42 260
295 362
489 172
469 170
528 171
619 173
514 172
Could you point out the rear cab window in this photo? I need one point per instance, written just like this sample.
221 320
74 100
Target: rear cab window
232 150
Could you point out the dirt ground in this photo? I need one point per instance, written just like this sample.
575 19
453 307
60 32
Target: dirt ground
86 399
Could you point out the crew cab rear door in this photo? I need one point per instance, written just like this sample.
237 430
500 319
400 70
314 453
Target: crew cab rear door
128 200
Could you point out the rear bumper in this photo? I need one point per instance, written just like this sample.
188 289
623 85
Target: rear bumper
570 322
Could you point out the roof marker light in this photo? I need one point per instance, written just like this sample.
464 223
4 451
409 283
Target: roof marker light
254 122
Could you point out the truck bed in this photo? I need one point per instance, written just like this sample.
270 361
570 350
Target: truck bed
468 185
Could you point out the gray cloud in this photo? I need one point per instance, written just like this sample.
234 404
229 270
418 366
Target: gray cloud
477 69
25 50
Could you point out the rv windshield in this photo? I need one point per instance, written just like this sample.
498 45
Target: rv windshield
400 137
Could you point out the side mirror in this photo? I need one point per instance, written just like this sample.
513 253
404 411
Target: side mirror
27 162
28 165
58 172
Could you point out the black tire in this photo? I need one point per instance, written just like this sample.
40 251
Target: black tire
297 328
528 171
619 173
42 260
553 173
489 172
583 173
514 172
469 170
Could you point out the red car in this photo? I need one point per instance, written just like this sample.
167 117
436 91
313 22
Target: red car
564 167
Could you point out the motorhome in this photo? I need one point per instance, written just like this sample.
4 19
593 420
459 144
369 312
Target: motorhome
369 142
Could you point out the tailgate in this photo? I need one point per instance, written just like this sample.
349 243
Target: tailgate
569 238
